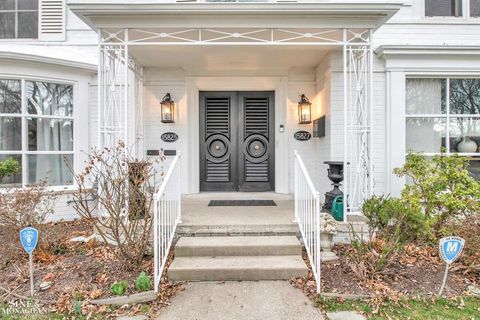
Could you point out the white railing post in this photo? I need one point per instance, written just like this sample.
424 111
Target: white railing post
296 189
307 215
317 239
167 215
179 193
155 244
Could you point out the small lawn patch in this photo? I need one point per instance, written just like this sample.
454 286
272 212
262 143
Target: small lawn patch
422 309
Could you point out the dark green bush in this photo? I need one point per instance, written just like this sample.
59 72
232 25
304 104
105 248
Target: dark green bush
9 167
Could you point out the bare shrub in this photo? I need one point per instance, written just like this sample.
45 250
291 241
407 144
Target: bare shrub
121 210
24 207
469 230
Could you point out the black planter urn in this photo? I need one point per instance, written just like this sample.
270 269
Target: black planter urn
335 174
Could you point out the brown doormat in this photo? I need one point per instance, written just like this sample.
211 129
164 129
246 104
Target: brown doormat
242 203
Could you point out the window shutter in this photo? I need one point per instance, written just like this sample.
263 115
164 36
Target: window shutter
52 20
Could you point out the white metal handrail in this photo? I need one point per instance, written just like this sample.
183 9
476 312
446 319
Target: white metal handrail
167 210
307 215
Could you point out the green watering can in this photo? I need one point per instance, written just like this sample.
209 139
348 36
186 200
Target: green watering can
337 208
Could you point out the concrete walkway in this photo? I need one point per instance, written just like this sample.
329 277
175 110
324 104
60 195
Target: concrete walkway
248 300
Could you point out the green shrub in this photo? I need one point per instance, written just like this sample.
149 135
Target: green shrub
441 188
392 223
395 220
441 198
143 282
119 288
9 167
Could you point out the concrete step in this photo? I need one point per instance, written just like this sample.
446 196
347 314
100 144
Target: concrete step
238 246
233 230
235 268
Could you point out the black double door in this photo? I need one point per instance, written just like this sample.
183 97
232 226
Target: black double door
237 141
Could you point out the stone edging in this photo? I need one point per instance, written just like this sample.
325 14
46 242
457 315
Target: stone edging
131 299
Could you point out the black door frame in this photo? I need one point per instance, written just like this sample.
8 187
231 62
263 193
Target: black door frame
237 168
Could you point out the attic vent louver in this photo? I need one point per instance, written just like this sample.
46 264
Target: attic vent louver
52 20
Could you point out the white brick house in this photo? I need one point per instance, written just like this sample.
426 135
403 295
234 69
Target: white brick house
418 58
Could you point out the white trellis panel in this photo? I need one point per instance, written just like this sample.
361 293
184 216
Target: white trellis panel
358 74
120 93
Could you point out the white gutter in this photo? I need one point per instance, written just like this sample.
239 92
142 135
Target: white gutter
113 7
376 12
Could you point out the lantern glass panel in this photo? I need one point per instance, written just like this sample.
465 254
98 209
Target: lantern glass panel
168 108
304 113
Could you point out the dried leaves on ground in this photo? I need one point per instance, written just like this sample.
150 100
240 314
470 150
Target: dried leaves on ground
417 271
79 273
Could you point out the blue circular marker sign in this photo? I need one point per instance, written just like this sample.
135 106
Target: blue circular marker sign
29 239
450 248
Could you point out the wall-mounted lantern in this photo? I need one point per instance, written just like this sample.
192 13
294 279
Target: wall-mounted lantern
168 109
304 110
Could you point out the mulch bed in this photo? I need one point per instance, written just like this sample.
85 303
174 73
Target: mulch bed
79 272
417 272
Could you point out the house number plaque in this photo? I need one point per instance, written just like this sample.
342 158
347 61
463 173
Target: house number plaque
169 137
302 135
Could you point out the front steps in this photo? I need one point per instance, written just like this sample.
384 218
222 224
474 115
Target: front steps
237 258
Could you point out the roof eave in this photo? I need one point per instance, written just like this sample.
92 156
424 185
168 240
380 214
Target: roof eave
390 50
89 9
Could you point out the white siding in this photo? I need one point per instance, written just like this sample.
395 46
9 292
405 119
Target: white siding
157 84
410 27
323 84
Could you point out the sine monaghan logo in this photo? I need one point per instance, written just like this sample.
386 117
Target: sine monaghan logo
21 308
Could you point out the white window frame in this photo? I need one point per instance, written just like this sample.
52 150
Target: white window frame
447 116
16 11
24 135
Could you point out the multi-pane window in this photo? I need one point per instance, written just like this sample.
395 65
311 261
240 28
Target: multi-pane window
18 19
444 114
443 8
36 128
474 8
452 8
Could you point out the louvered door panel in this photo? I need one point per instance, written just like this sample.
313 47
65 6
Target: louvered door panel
256 152
256 116
217 144
52 20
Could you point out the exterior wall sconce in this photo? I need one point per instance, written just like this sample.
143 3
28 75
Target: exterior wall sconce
168 109
304 110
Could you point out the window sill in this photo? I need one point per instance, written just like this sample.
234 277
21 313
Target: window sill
454 20
56 189
22 40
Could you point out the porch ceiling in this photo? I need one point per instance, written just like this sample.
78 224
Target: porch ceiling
225 58
267 14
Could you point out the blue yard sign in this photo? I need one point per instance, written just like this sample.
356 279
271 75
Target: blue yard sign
29 239
450 248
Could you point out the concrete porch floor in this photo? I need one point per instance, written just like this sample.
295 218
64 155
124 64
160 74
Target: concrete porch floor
199 218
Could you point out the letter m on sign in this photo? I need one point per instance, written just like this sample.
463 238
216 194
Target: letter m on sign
452 247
